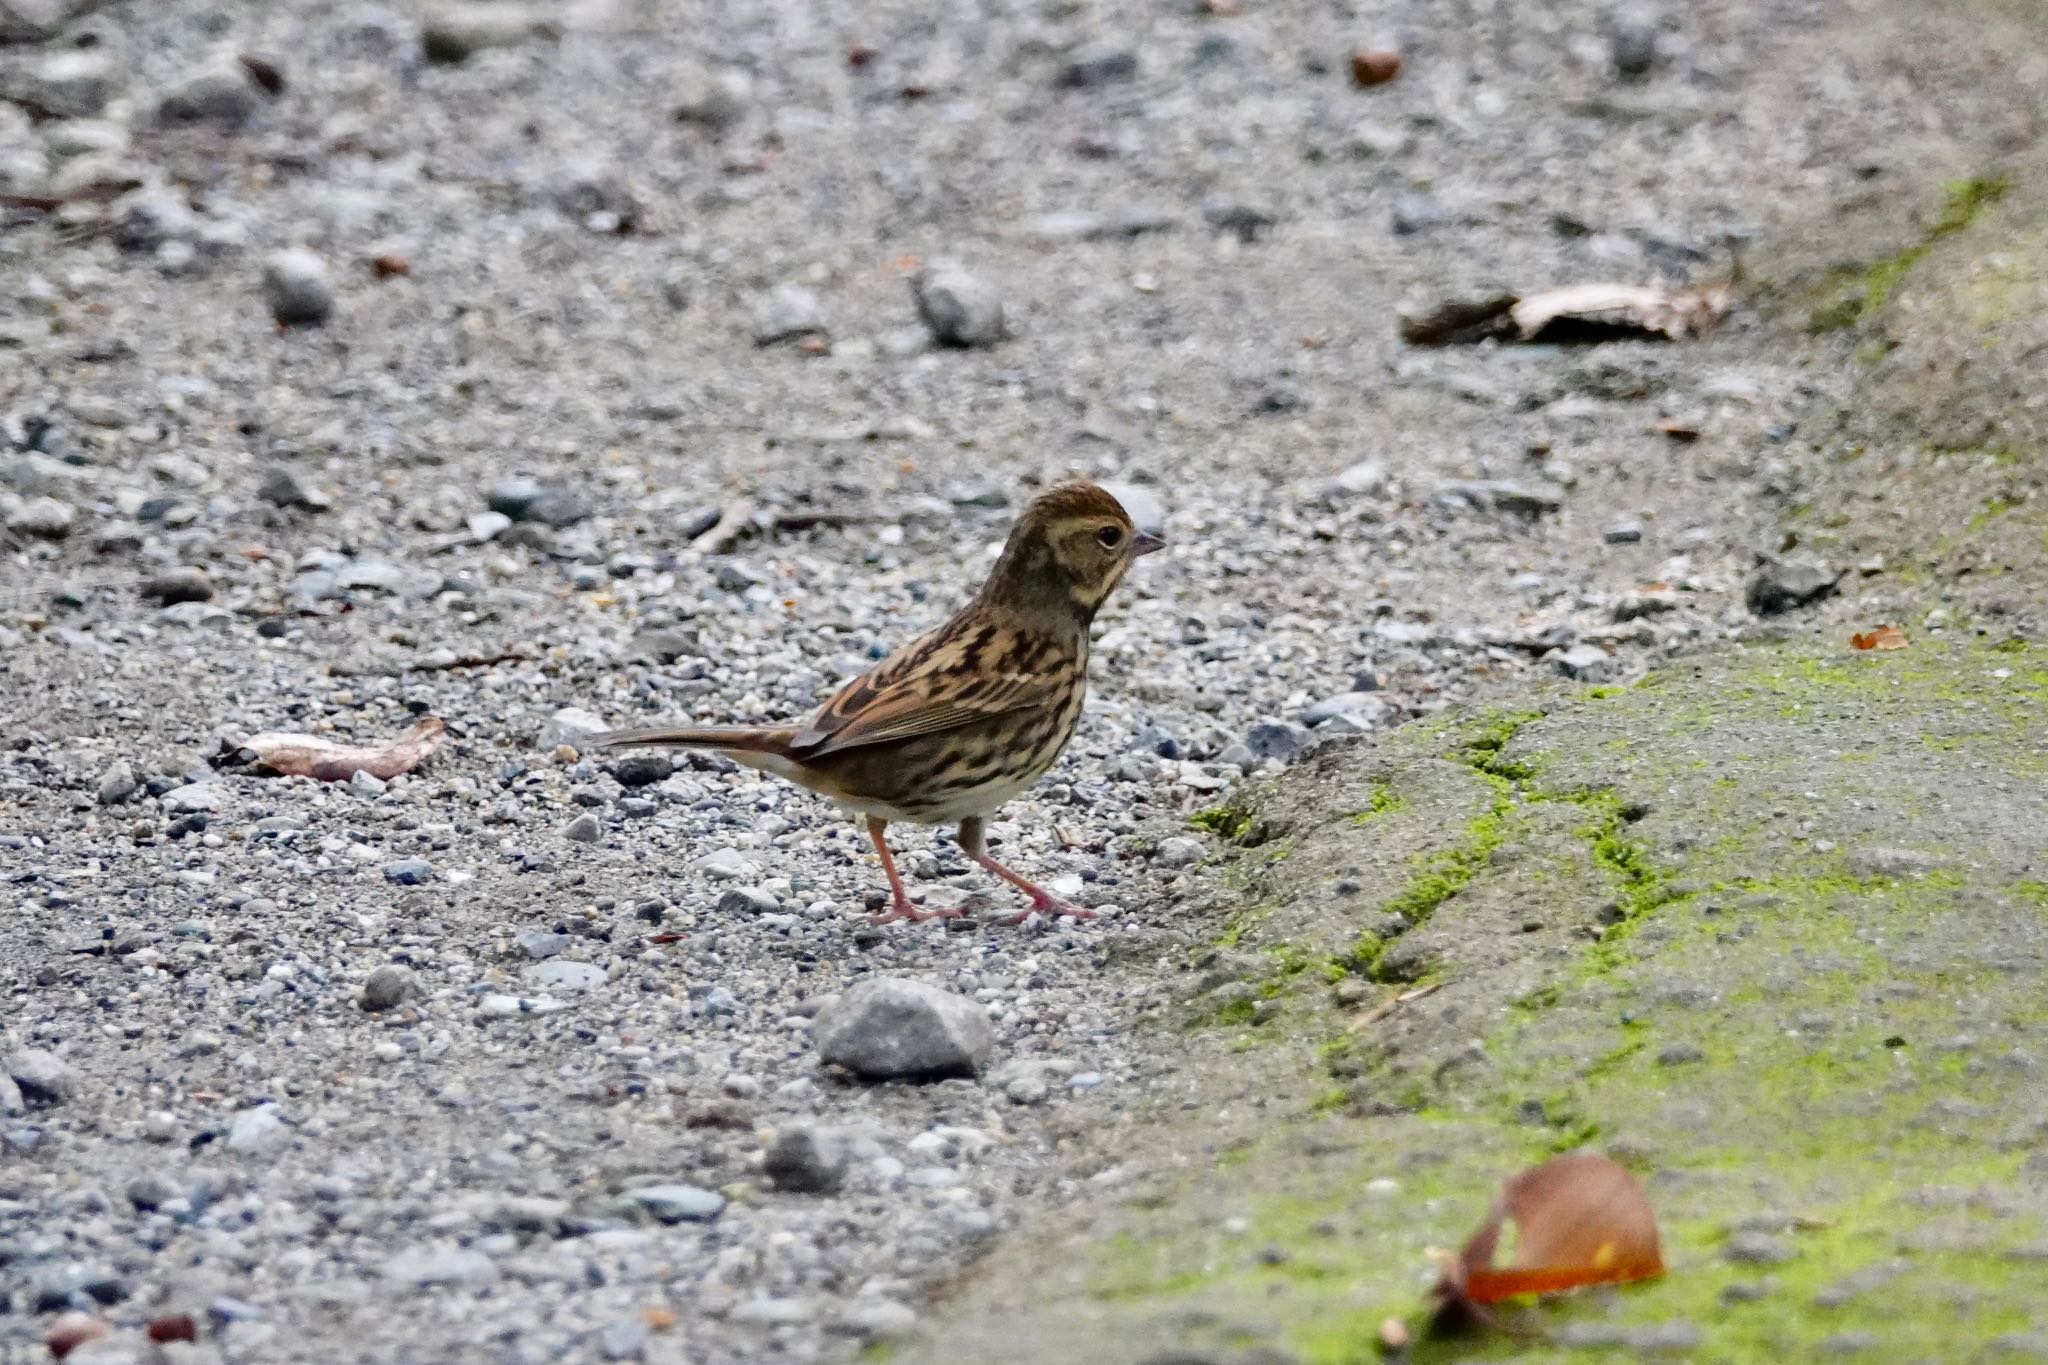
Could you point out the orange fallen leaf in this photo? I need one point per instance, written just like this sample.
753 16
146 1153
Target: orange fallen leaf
658 1319
305 756
1580 1219
1884 637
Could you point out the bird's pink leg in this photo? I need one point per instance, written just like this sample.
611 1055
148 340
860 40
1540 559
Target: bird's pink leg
901 907
1043 902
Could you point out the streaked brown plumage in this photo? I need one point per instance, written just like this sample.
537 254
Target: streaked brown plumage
966 716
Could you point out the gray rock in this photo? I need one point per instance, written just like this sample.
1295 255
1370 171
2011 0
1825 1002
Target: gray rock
1495 495
1415 212
678 1203
625 1339
1635 606
388 987
409 872
13 1104
643 768
117 783
747 900
887 1028
726 865
1032 1080
1178 851
787 310
192 798
960 309
1276 739
42 1076
152 1190
433 1267
806 1160
713 97
1623 533
1785 584
75 83
281 488
31 21
773 1312
42 518
85 137
1365 710
1586 663
455 33
496 1006
540 945
296 288
564 975
172 586
584 829
1632 40
258 1131
150 218
487 526
1097 66
1364 479
223 96
881 1320
665 646
569 726
735 575
514 495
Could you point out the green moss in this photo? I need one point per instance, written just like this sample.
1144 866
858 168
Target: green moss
1385 801
1225 822
1991 511
1855 294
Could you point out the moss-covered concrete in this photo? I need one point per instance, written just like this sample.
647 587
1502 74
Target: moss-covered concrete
1771 929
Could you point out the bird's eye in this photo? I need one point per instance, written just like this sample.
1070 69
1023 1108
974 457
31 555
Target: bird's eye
1110 537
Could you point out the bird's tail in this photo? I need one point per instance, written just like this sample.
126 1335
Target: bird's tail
740 739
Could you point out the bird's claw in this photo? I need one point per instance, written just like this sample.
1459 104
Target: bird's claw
1047 905
910 912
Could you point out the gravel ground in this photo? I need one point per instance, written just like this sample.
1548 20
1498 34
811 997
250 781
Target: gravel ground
588 372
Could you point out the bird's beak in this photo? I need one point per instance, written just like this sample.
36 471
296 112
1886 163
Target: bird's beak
1145 542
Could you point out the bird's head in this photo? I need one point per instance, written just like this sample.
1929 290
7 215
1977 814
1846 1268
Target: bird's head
1067 553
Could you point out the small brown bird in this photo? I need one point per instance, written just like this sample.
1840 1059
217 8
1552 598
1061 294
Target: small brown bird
965 716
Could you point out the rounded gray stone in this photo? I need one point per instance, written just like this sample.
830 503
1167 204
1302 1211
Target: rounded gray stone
296 288
388 987
891 1028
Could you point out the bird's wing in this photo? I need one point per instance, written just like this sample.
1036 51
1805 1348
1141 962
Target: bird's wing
954 676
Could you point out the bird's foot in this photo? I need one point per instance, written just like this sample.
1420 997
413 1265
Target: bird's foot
1044 903
906 911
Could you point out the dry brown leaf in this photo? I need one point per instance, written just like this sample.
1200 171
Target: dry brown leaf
1677 314
1884 637
658 1319
1682 432
1575 312
286 755
1580 1219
